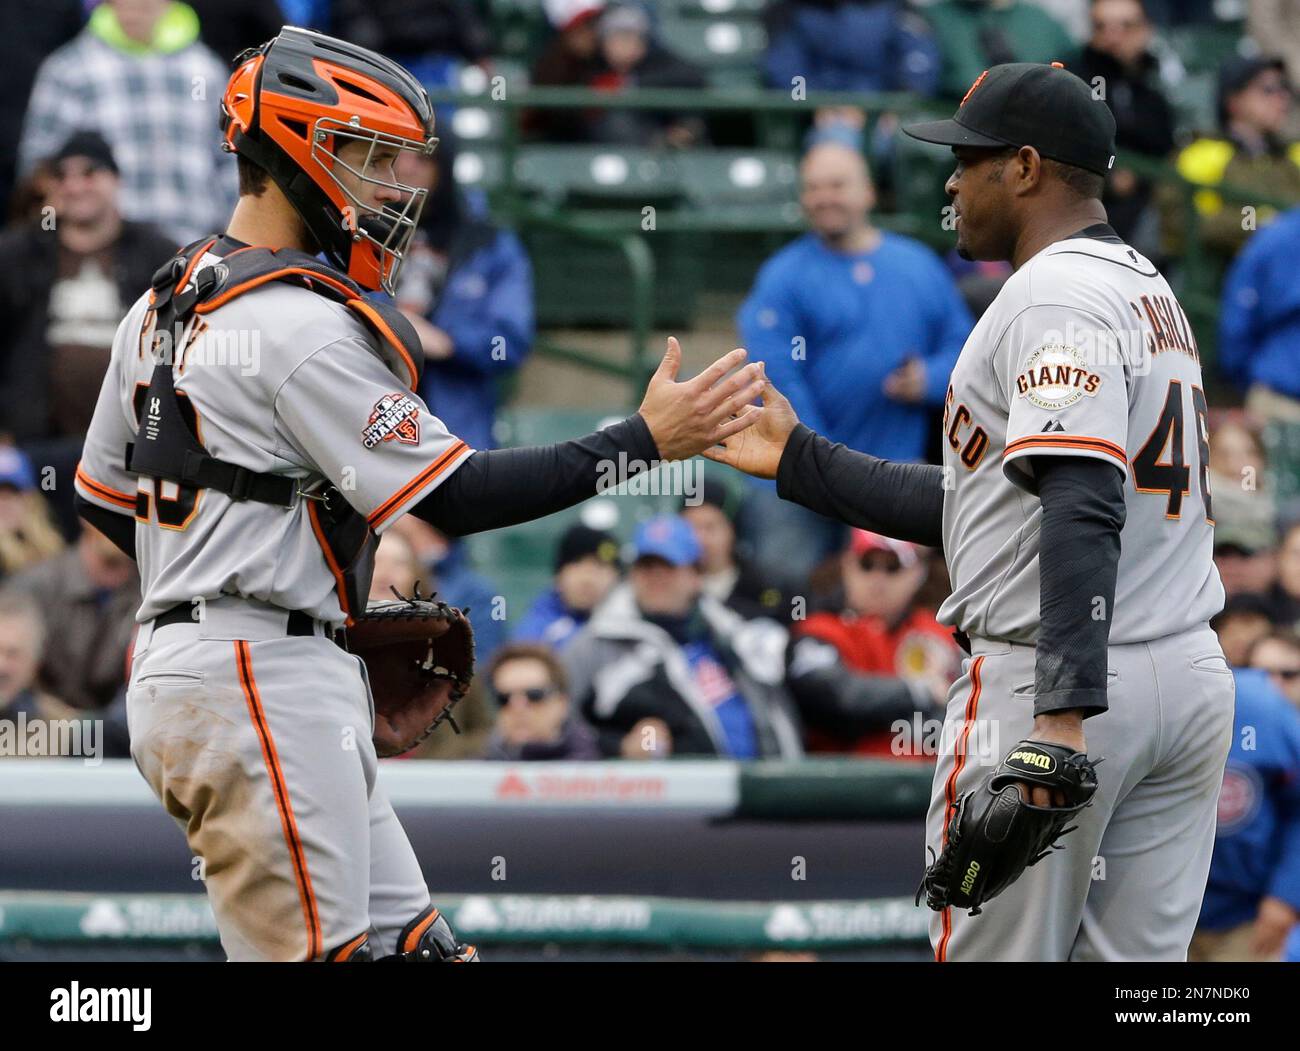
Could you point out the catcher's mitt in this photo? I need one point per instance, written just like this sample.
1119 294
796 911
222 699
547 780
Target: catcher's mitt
994 834
419 657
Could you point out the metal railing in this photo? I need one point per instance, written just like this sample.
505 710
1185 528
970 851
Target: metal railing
778 117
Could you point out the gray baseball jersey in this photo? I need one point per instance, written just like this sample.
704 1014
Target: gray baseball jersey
306 398
1084 352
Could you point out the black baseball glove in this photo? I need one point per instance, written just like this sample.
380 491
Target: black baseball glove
993 834
419 657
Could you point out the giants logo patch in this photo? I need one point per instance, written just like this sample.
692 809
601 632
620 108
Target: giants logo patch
395 417
1056 376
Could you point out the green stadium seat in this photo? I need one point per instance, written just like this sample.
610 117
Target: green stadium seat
729 50
479 167
595 174
1203 48
719 180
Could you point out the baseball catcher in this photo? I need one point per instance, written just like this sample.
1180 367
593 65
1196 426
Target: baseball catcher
253 498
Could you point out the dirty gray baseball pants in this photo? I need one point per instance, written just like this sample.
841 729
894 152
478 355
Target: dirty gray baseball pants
1128 883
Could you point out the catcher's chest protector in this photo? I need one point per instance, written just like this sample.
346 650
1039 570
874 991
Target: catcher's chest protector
166 443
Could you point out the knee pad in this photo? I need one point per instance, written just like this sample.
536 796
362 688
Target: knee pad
429 939
358 950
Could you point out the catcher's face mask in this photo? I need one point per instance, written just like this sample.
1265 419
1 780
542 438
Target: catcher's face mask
381 213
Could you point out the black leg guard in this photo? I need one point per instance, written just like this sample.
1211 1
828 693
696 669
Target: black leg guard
429 939
358 950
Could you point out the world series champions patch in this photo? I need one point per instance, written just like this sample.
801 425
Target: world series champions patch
395 417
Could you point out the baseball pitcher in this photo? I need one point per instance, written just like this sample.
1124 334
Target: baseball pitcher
1073 507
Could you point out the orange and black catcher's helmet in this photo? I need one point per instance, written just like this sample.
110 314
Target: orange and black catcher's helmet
290 106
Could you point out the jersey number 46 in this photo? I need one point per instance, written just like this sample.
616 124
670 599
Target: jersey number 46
1160 466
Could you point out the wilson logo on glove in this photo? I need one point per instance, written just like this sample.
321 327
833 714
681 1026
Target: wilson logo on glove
994 833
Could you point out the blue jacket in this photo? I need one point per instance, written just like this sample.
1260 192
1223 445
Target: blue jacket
854 47
549 621
486 307
854 319
459 585
1257 847
1259 324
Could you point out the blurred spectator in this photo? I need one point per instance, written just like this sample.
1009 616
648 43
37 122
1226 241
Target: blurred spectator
1285 593
1278 655
88 596
22 639
1252 897
1245 554
729 577
1243 621
431 38
630 57
586 569
397 566
467 287
860 329
138 75
229 27
880 659
663 668
534 720
1249 154
27 536
1275 28
28 201
570 57
30 31
1259 324
63 306
445 568
976 34
1118 60
1242 500
826 45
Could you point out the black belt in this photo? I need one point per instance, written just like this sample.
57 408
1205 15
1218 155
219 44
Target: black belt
300 623
962 639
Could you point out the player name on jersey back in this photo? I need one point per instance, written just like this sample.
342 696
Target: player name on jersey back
1084 352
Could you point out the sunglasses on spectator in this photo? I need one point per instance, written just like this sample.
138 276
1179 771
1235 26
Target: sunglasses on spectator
871 564
535 694
1126 24
1285 674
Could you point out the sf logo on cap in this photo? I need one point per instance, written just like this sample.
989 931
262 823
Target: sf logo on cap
971 90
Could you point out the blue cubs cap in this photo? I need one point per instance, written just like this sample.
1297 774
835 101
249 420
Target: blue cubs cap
16 469
669 538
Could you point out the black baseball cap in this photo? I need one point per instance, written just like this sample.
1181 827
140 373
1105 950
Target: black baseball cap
1030 104
90 145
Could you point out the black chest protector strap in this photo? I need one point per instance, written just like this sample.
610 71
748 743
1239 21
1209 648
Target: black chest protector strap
167 445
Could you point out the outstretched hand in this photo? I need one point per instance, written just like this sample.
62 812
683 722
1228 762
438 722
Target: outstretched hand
688 417
757 449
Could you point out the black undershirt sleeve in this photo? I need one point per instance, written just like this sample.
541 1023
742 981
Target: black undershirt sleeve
502 487
900 500
119 528
1078 561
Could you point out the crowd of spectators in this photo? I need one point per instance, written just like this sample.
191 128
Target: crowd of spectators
741 626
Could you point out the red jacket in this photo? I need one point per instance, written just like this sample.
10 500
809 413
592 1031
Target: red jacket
866 644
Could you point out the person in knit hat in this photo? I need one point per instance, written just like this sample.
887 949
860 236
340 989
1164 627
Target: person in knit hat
586 569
